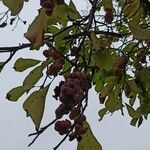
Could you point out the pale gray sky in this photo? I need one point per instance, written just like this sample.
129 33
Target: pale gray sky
114 132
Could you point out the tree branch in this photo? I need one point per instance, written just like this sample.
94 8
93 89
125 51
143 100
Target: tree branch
15 48
40 132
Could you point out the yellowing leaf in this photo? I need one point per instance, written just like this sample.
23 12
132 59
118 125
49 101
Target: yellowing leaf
35 104
133 113
15 93
36 30
32 78
89 142
131 8
15 6
139 33
22 64
98 43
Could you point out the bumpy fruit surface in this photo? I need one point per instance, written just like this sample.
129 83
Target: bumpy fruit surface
54 68
55 54
47 53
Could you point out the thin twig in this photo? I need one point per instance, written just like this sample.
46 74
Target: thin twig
14 48
40 132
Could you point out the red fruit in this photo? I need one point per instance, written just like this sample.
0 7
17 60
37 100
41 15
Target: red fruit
67 123
102 97
62 132
80 119
54 68
48 4
47 53
49 12
67 91
55 54
79 129
60 111
62 126
77 82
109 15
121 62
58 125
74 113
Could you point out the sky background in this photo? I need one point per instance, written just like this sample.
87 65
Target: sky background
113 132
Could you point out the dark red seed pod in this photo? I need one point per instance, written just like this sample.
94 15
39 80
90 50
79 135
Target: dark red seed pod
46 53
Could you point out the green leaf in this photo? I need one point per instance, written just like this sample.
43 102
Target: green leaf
35 104
22 64
144 109
110 82
134 121
32 78
15 93
103 56
131 9
99 80
145 77
15 6
59 15
98 43
88 142
112 104
132 100
133 113
138 32
107 4
73 13
131 47
134 89
102 112
122 28
60 42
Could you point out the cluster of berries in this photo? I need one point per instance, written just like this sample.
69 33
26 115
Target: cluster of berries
58 61
108 15
49 5
71 94
120 65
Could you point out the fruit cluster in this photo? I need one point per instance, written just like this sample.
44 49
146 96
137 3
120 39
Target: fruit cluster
71 94
48 5
108 15
120 65
58 61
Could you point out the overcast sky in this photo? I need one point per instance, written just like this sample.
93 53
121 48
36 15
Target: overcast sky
114 132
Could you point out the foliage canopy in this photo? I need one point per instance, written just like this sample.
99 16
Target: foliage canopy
108 49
